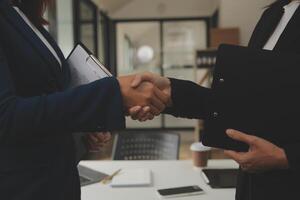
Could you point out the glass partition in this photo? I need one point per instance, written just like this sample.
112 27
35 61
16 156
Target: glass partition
166 47
138 50
181 40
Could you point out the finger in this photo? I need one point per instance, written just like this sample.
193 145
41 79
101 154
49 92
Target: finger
239 136
158 105
93 138
154 110
97 144
146 109
107 137
100 136
143 113
158 100
162 96
245 167
143 117
93 146
136 81
133 112
238 157
250 168
107 134
139 78
134 116
149 116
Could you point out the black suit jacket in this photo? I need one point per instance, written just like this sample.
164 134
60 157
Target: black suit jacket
38 114
193 101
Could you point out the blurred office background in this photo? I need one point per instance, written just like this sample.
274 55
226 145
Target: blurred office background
174 38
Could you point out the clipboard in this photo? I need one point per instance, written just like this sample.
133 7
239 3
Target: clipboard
220 178
85 67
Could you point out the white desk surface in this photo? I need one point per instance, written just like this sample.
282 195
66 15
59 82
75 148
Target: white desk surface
165 174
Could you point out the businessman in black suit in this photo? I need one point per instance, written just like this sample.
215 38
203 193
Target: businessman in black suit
38 114
267 171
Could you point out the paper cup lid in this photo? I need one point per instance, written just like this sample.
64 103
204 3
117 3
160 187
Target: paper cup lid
198 146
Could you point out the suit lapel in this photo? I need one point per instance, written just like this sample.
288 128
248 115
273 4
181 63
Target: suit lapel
13 17
266 26
53 43
65 68
291 33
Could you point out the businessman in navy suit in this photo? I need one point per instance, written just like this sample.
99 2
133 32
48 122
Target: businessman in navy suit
38 114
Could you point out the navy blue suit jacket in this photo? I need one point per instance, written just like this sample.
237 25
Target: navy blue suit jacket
38 114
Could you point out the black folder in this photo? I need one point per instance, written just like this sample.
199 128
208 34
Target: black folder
257 92
221 178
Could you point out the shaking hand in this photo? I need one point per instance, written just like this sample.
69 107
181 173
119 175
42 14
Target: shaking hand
162 83
143 95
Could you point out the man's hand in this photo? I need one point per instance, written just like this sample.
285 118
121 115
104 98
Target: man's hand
164 84
96 141
262 155
146 94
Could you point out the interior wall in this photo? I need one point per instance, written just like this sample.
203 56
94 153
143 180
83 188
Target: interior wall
243 14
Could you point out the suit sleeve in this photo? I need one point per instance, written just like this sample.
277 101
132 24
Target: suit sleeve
92 107
293 155
189 100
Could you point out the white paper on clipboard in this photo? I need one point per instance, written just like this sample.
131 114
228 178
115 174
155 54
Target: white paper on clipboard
84 67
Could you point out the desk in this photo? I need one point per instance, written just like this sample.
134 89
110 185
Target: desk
165 174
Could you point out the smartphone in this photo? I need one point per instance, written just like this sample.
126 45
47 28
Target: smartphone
180 191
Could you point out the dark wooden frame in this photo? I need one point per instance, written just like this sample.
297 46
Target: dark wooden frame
77 22
106 38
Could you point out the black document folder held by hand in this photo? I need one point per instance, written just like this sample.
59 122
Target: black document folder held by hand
84 67
256 92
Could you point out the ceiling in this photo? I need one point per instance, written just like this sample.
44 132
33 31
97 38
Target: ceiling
111 5
114 6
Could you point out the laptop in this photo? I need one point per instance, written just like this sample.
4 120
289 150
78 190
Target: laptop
88 176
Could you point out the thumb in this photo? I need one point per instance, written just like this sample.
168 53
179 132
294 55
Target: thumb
139 78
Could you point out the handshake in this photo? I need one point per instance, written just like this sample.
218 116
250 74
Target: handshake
145 95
